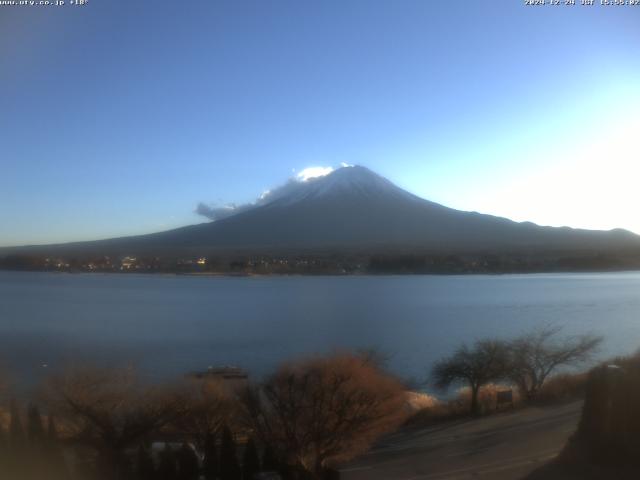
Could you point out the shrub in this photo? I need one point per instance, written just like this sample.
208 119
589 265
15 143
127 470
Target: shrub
563 387
322 411
487 396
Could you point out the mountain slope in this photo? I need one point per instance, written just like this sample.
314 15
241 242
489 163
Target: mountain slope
353 207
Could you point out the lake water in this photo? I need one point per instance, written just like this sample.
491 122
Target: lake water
168 325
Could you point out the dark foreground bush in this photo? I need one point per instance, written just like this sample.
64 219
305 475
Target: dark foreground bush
607 442
608 432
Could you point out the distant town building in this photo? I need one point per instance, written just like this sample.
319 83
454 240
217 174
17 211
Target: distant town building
127 263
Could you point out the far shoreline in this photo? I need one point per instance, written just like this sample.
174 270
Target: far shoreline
326 274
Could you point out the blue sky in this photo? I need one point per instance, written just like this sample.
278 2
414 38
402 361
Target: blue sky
120 116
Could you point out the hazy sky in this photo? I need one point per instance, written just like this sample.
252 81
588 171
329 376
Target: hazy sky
120 116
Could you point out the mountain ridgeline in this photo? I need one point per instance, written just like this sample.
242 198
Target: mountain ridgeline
352 210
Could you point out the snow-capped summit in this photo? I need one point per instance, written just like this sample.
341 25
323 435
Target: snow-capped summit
347 181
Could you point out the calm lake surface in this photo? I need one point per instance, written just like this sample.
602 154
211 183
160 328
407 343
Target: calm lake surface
169 325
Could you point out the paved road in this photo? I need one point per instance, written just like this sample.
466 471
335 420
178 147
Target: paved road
505 446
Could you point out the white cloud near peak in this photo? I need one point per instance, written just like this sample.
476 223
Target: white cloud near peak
218 212
313 172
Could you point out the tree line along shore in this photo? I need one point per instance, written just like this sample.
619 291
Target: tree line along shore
327 263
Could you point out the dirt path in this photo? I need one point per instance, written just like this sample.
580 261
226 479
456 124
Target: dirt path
503 446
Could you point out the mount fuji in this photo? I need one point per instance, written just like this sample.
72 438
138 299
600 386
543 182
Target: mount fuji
354 208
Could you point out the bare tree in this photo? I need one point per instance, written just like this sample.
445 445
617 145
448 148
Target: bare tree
110 412
325 410
208 406
484 362
534 356
375 356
